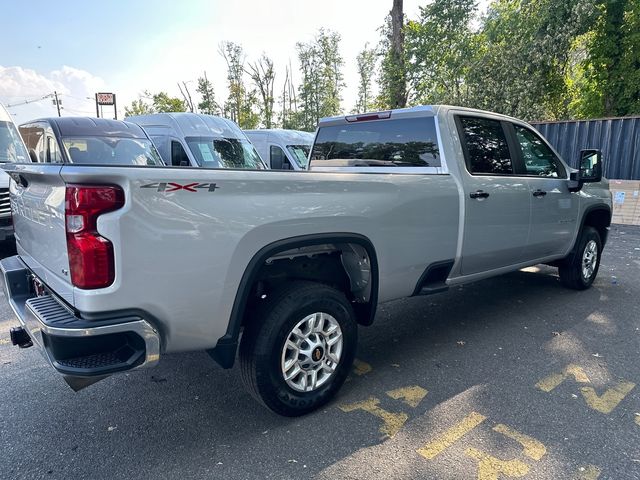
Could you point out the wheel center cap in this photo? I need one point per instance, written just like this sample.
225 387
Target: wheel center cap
317 354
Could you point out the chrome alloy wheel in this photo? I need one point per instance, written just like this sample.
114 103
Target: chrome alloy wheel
589 259
311 352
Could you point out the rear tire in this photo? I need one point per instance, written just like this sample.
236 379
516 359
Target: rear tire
297 351
579 270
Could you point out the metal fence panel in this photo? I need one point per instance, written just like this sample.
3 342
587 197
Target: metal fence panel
618 138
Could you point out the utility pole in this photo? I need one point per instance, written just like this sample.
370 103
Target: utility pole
57 102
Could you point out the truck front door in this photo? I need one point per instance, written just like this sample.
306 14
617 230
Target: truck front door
497 202
554 210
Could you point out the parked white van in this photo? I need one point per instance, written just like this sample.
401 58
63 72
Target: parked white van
12 149
194 140
282 149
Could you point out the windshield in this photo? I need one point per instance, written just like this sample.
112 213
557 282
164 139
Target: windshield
11 146
407 142
111 150
224 153
300 154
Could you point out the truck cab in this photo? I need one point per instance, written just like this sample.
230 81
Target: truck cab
195 140
282 149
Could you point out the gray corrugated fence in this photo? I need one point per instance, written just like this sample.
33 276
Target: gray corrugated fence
618 138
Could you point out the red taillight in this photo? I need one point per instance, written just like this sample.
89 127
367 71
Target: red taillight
91 262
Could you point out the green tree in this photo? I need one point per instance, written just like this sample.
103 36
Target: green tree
441 47
322 79
612 67
263 76
162 103
207 104
524 55
240 103
366 64
393 72
138 107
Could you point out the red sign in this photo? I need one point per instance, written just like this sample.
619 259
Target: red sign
105 98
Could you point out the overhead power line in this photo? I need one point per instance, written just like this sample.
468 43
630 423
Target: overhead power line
25 102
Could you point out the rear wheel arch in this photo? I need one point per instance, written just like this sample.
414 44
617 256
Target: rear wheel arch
225 350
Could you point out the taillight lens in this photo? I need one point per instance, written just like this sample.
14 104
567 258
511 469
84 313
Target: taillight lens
91 261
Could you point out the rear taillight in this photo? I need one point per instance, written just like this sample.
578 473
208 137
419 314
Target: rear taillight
91 261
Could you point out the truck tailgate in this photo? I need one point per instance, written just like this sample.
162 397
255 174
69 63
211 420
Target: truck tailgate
38 205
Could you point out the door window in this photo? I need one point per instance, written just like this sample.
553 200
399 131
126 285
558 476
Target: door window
278 159
34 138
538 158
179 157
485 145
53 152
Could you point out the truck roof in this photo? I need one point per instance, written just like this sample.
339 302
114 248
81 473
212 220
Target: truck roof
90 127
417 111
188 124
294 137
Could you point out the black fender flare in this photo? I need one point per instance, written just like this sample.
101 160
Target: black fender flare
224 353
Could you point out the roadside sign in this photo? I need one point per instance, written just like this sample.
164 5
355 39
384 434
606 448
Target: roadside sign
105 98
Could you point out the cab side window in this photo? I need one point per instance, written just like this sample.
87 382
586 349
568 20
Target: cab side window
179 157
485 146
278 159
538 158
53 152
35 139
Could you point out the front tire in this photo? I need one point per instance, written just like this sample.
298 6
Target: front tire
298 350
579 270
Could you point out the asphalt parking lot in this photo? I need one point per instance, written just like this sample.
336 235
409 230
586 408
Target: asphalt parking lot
513 377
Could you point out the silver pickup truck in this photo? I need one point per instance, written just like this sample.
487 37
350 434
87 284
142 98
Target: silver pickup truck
118 265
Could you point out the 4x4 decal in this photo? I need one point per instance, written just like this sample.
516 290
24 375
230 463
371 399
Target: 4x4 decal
189 187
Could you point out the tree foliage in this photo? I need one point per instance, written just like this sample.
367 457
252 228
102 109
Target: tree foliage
263 76
321 65
240 103
207 104
366 64
159 102
441 48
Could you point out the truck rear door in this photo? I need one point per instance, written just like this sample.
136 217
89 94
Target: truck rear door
497 203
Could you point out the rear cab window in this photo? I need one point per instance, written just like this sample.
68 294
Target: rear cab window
387 145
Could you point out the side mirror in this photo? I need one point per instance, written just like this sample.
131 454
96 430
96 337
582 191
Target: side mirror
590 170
590 166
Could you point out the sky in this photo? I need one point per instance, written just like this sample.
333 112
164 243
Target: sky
78 48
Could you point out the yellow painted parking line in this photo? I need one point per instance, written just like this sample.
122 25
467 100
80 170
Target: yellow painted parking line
532 448
637 419
490 468
610 399
604 403
412 396
391 422
360 367
4 341
552 381
451 436
590 472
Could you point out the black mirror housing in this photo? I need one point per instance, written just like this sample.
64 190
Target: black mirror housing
590 166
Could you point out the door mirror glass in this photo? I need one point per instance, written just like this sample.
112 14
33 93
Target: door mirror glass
590 166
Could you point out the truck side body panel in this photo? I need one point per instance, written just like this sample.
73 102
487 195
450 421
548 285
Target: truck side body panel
180 254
